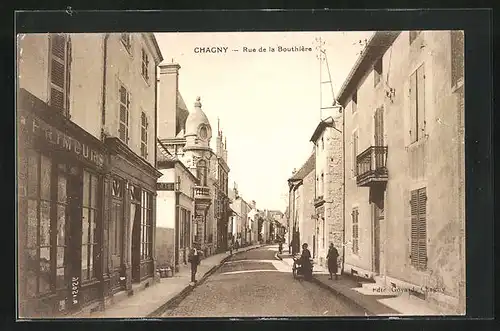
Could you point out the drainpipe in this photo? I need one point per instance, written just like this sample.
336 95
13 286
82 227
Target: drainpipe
104 77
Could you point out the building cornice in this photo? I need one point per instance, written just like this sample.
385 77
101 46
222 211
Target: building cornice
153 44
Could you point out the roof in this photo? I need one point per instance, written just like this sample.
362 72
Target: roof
166 158
319 130
378 44
305 169
181 115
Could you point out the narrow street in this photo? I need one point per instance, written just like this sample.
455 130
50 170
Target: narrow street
255 284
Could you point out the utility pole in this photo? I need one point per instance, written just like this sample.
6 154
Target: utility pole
321 56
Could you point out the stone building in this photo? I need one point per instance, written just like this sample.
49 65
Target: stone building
86 168
175 208
241 209
404 137
329 188
301 186
221 203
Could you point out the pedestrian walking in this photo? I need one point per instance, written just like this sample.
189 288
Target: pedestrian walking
332 256
194 260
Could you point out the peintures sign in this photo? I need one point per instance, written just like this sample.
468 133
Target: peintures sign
164 186
60 139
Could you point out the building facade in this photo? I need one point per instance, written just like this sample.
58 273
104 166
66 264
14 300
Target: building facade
175 207
404 130
301 186
329 188
86 156
222 201
240 218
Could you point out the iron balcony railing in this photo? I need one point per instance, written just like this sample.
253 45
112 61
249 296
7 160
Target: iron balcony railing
371 165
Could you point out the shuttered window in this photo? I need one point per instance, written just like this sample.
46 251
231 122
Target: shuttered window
355 231
457 57
145 65
127 41
60 61
124 114
144 136
417 105
418 205
354 152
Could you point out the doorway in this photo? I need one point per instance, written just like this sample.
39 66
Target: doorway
377 220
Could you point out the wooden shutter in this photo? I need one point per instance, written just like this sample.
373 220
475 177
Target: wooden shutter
355 152
379 127
355 231
419 228
413 107
69 60
420 102
58 68
422 229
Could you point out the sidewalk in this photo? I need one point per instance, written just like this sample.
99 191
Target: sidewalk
371 297
149 302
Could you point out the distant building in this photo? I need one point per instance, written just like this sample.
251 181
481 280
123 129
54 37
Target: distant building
240 218
404 143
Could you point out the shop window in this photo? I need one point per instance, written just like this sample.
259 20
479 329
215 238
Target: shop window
355 231
146 225
124 114
145 65
144 135
36 207
115 233
89 228
61 243
201 170
417 105
418 205
60 62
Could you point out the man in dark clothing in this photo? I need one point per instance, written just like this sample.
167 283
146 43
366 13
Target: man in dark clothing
332 256
305 257
194 259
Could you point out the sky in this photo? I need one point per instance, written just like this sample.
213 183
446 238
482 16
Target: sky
268 103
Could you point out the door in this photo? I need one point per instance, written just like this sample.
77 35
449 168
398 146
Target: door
116 234
135 218
378 217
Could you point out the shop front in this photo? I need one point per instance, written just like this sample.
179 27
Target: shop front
60 193
130 220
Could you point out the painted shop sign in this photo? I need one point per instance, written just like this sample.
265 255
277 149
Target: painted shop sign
60 139
164 186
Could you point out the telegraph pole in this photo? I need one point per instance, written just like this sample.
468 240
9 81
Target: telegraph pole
321 56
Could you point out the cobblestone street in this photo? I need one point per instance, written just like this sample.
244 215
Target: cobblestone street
257 284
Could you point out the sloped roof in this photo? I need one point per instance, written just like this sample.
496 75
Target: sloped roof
162 154
305 169
181 116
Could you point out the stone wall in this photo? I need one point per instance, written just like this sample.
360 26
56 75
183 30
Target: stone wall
164 246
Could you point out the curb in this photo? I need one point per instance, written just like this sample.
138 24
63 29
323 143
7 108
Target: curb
176 299
344 297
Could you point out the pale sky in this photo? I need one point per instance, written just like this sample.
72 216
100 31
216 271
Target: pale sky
268 103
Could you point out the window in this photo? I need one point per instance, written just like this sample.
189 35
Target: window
146 225
414 35
89 229
124 114
187 228
355 231
377 72
145 65
418 204
126 39
322 144
35 202
354 152
457 57
417 104
144 135
322 184
203 132
354 102
60 61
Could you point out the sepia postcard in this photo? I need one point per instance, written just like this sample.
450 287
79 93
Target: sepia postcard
240 174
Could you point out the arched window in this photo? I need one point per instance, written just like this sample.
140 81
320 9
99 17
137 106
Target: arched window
201 169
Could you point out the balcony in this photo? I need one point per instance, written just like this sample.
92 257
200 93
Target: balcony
202 193
371 166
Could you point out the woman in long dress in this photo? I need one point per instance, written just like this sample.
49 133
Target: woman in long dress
332 256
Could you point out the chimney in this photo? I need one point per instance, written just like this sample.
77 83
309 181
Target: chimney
167 95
